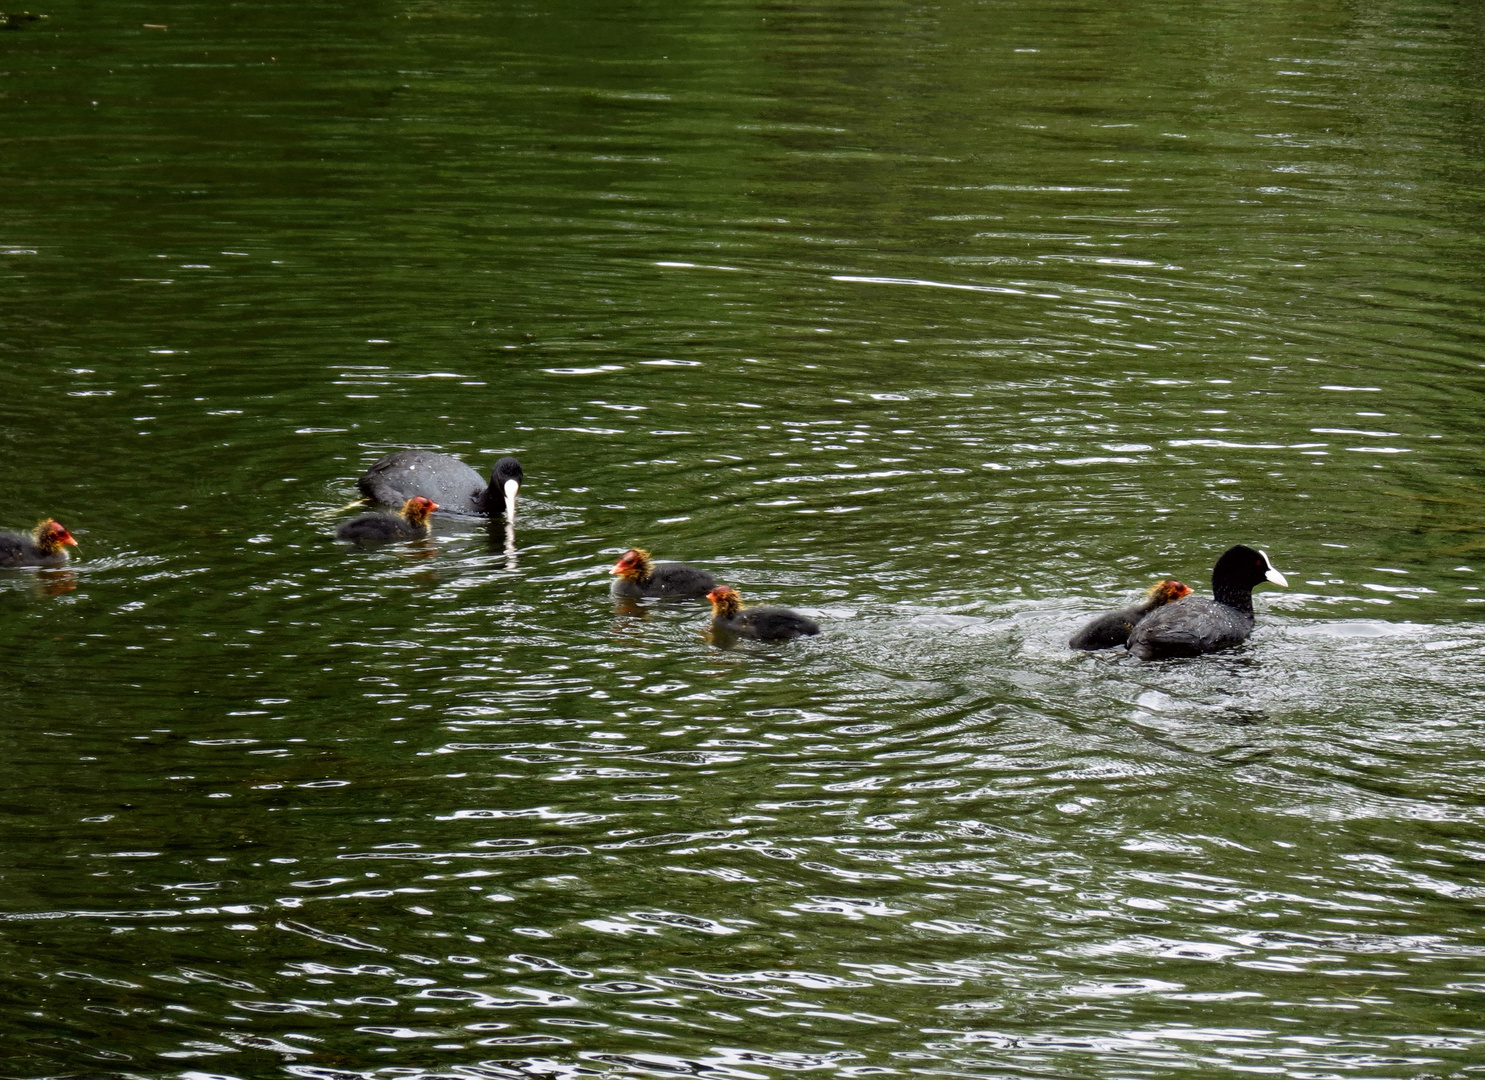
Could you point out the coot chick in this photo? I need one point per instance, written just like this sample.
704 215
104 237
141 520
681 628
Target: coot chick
46 546
1195 625
409 523
446 480
763 623
637 575
1112 630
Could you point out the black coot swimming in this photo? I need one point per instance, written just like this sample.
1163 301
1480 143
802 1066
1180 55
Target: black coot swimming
1195 625
762 623
1112 630
446 480
636 575
409 523
46 546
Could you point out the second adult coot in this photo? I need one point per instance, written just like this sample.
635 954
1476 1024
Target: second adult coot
637 575
1112 630
761 623
1195 625
453 485
409 523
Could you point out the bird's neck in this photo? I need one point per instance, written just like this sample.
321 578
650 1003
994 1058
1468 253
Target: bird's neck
1234 596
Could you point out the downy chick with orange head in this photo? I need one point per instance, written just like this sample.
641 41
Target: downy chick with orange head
46 546
409 523
729 616
1112 630
637 575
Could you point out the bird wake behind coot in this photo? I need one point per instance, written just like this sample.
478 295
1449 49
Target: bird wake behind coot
453 485
1196 625
1112 630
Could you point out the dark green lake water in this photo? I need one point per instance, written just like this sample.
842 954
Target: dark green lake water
949 324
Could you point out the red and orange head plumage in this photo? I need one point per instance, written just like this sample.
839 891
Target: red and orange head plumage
416 510
51 536
634 564
1164 592
726 601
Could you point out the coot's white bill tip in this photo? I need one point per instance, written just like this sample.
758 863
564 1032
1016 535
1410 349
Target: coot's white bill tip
1272 573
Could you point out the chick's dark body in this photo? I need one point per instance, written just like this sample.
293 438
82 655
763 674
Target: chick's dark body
666 579
1112 630
766 624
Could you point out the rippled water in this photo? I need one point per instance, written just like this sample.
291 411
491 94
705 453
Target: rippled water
949 325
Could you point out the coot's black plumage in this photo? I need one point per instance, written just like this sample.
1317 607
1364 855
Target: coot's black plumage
46 546
1112 630
446 480
762 623
636 575
1196 625
409 523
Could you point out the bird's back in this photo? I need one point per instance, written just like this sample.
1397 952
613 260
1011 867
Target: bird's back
770 624
678 579
379 528
1107 631
1189 627
453 485
13 549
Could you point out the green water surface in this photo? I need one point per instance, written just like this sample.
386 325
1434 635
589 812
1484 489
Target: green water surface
949 324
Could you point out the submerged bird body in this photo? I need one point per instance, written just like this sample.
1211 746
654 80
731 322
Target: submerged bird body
637 575
409 523
446 480
1112 630
46 546
761 623
1196 625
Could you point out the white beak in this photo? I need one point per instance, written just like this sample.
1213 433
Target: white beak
511 487
1273 575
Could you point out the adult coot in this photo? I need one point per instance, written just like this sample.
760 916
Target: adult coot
409 523
46 546
446 480
1112 630
637 575
763 623
1195 625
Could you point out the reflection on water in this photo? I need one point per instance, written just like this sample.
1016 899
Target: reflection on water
950 327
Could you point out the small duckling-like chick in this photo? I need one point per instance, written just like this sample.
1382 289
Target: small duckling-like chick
763 623
1112 630
409 523
637 575
46 546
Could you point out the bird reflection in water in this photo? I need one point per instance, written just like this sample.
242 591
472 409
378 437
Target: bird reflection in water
509 541
55 582
626 607
424 550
